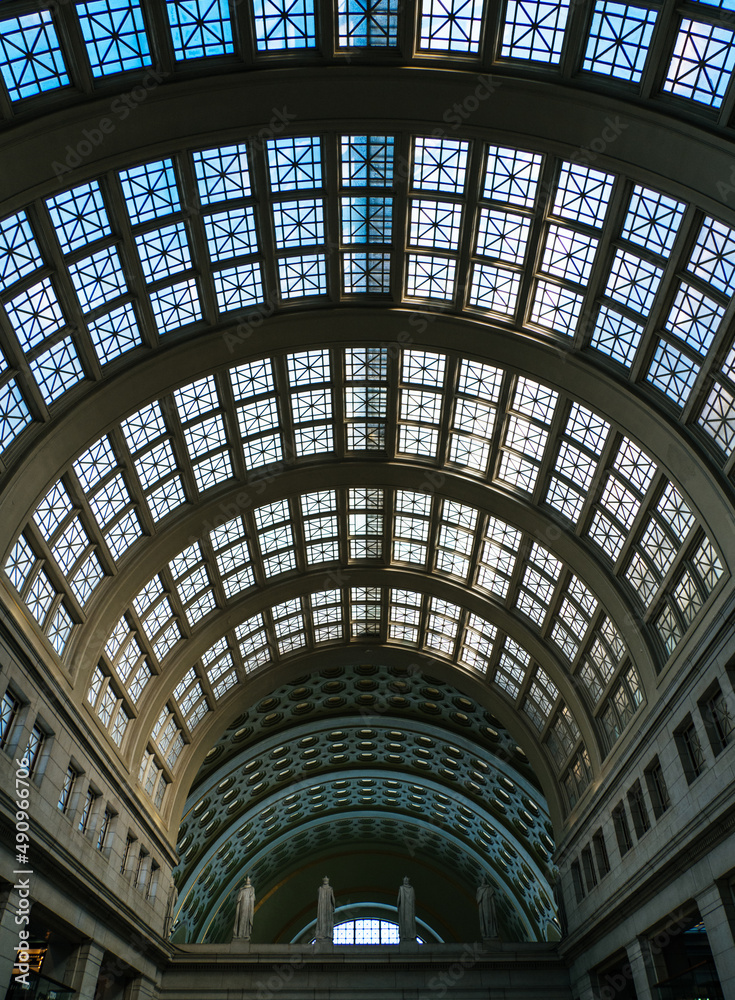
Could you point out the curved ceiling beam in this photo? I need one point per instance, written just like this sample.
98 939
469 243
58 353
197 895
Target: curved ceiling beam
215 108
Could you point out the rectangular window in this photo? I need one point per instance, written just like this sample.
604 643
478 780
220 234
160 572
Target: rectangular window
622 832
152 882
690 750
8 714
590 875
68 787
638 811
32 755
86 817
141 870
130 840
657 789
104 829
577 881
718 720
601 856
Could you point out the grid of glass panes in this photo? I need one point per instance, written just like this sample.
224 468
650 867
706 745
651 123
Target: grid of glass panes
127 651
320 525
580 449
478 643
366 212
455 538
694 581
108 704
366 930
202 419
537 586
512 668
435 216
605 650
451 26
540 698
310 395
577 776
572 619
473 416
192 583
256 407
442 626
28 575
366 612
151 445
411 526
232 555
525 434
421 396
365 522
190 699
219 667
157 617
100 475
253 642
622 492
534 30
289 628
404 616
497 556
563 735
366 398
275 538
620 706
327 615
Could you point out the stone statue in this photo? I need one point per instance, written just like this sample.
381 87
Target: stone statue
325 912
173 896
485 897
407 912
244 911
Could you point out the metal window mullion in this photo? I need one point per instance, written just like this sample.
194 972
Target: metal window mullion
284 409
711 364
401 184
555 434
184 462
599 476
470 216
576 33
194 216
331 199
449 396
160 40
408 25
74 51
265 226
660 50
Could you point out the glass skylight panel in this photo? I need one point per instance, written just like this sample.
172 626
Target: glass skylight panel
538 584
114 333
526 433
534 30
253 640
176 305
694 318
284 24
366 382
620 35
435 225
164 252
717 418
311 401
620 500
713 256
231 234
442 625
495 289
701 63
430 277
456 537
617 336
326 615
79 216
421 398
582 195
298 223
556 308
98 279
633 281
35 314
202 420
366 23
477 643
498 556
220 668
569 254
366 273
302 276
404 616
672 372
288 626
275 538
451 25
503 235
57 369
365 522
19 564
222 173
513 666
366 219
14 413
257 412
512 176
439 165
653 220
573 617
539 701
321 530
193 584
238 287
114 34
32 61
575 466
150 190
149 442
411 526
367 160
295 164
19 254
200 28
366 605
473 418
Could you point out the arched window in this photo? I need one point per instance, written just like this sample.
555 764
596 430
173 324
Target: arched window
367 930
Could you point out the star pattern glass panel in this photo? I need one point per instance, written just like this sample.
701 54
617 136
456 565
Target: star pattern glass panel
440 165
114 34
495 289
294 164
473 419
534 30
633 282
320 525
584 438
98 279
620 35
32 60
366 392
366 273
582 195
79 216
451 25
150 190
653 220
114 333
616 336
367 23
422 380
713 256
311 401
284 24
298 223
366 220
365 522
14 413
222 174
200 28
701 63
19 253
556 308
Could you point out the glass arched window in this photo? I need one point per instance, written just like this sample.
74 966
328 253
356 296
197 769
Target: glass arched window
367 930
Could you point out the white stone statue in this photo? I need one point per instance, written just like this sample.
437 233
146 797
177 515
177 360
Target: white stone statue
485 897
173 896
325 912
244 911
407 912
